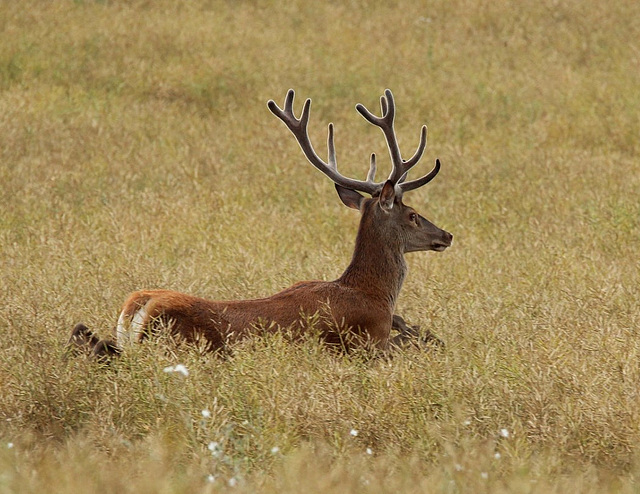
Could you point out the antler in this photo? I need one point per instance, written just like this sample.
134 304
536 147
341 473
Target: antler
400 167
298 127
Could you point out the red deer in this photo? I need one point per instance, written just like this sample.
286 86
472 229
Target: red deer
360 304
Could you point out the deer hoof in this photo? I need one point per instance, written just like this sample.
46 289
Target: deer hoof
103 350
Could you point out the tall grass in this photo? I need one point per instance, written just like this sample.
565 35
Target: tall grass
136 151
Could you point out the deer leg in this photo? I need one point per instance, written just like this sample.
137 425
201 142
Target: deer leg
406 334
83 339
431 339
105 349
411 335
399 324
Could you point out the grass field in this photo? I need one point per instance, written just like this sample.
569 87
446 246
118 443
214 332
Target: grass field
137 151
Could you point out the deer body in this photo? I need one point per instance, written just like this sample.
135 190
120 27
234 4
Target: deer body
360 303
217 323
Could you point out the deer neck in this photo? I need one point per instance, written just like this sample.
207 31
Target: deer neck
377 267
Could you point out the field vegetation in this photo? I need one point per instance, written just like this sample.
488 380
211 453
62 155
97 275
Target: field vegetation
137 151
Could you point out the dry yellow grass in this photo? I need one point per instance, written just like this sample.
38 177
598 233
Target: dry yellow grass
136 151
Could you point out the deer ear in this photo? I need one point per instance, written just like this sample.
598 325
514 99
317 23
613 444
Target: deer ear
387 196
349 197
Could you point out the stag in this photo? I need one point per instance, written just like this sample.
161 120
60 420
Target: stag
357 308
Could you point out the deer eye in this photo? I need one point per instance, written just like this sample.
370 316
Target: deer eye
413 217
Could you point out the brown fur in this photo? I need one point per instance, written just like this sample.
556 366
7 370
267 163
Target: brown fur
193 318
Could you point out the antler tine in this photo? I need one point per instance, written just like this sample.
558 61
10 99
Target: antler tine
372 169
288 103
298 128
400 168
419 182
333 162
385 122
388 112
384 107
419 152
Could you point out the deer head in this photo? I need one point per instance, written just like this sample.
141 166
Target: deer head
384 216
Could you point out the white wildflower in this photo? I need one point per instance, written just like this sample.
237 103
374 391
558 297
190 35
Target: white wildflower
206 413
484 475
178 368
353 432
233 482
497 456
181 369
9 445
369 451
211 479
504 433
275 450
458 467
215 448
466 422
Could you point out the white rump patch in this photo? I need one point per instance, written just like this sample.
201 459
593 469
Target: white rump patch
130 331
121 331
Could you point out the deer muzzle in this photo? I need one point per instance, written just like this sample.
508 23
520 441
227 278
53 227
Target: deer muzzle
442 243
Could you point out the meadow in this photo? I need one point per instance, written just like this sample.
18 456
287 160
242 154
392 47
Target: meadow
137 151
